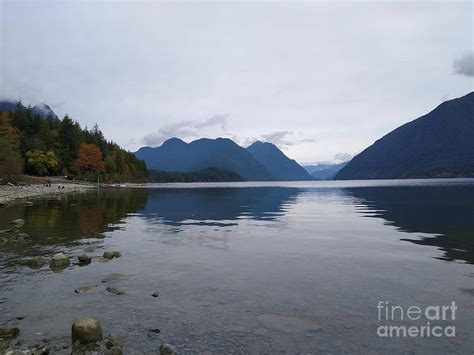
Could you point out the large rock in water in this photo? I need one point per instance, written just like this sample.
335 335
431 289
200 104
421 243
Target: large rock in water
437 145
59 260
86 330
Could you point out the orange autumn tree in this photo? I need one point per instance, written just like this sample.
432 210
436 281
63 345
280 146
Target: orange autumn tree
89 159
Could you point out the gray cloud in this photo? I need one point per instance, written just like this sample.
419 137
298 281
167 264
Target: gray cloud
343 88
185 129
216 120
282 139
464 65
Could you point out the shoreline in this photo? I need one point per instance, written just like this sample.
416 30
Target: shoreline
14 194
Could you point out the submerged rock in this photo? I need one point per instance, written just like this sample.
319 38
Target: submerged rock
86 330
29 203
5 231
114 290
84 259
18 222
21 237
84 289
36 262
115 277
9 332
114 342
90 249
108 254
59 260
168 349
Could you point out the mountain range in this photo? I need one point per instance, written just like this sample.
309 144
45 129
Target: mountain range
259 162
438 144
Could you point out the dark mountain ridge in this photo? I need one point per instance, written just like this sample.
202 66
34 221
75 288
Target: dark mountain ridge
438 144
259 162
175 155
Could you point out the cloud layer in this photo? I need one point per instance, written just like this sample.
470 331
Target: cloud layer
316 78
185 130
464 65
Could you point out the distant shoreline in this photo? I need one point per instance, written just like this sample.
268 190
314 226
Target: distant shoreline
14 194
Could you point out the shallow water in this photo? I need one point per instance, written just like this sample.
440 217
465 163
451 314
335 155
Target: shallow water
249 267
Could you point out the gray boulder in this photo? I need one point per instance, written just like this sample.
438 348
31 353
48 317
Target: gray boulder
86 330
108 255
84 259
59 260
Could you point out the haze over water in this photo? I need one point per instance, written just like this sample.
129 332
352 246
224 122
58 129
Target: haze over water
248 267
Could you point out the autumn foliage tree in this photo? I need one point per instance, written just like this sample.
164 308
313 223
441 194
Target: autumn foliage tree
89 159
10 159
41 163
37 145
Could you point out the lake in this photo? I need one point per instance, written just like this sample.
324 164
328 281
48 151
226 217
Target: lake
294 267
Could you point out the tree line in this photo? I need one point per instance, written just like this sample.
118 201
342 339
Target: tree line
33 145
205 175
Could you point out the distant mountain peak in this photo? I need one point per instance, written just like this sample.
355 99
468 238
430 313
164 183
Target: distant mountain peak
43 110
282 167
174 140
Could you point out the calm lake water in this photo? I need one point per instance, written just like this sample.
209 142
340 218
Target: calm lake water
247 267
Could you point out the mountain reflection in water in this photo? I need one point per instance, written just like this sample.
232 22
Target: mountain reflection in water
446 213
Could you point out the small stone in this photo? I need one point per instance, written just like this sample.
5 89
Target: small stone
155 294
115 291
18 222
168 349
7 332
59 260
108 254
84 289
35 263
86 330
117 254
113 341
84 259
29 203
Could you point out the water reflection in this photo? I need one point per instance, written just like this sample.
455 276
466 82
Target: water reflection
219 206
68 218
447 213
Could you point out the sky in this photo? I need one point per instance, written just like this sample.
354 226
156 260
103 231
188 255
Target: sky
321 79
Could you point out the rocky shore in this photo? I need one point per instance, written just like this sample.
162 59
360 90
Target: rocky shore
12 193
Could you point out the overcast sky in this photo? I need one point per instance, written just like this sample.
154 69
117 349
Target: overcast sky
322 80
